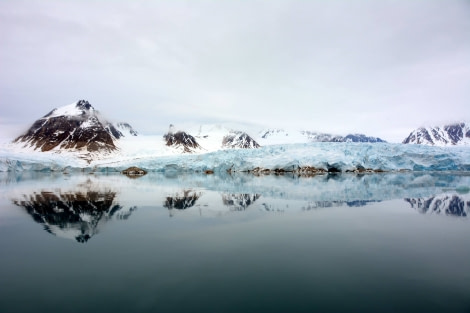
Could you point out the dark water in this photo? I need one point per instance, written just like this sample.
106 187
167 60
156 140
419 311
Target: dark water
196 243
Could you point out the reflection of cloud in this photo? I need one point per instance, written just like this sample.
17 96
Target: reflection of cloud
76 215
239 202
443 204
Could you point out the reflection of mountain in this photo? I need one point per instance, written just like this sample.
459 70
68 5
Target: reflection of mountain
75 215
313 205
443 204
239 202
181 201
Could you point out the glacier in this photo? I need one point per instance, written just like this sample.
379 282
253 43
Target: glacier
342 156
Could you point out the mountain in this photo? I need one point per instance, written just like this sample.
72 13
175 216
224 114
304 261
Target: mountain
216 137
447 135
239 139
181 140
76 127
281 136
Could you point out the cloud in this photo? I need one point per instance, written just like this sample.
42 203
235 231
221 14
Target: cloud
339 66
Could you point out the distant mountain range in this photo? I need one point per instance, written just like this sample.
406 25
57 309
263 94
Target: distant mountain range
281 136
445 135
80 128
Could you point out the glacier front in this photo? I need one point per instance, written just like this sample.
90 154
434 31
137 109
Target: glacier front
341 157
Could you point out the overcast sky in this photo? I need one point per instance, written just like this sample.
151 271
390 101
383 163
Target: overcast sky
381 68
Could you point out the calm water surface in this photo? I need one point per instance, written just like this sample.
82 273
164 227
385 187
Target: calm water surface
197 243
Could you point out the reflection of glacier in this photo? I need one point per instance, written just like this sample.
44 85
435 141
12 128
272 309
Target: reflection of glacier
70 214
239 202
448 204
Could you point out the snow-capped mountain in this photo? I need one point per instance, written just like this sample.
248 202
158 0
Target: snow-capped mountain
181 140
281 136
73 214
216 137
74 127
448 204
239 139
447 135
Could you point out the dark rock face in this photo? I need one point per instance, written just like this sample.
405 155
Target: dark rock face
452 134
239 139
77 127
181 139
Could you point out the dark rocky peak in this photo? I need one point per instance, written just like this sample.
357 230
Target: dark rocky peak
238 139
180 139
77 126
79 109
84 105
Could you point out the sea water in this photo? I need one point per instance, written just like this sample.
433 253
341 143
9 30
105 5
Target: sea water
396 242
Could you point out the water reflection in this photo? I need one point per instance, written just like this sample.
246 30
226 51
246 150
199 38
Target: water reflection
76 214
181 200
76 206
239 202
329 204
447 204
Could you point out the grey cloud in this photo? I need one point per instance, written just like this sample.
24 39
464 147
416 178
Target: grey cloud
378 67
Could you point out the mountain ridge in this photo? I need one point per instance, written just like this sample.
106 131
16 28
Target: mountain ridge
442 135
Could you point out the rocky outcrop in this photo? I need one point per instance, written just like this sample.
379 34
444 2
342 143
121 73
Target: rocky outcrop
134 171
